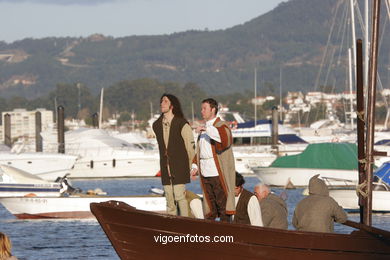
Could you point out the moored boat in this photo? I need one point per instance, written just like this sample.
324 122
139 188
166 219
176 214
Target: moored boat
75 207
349 200
15 182
335 161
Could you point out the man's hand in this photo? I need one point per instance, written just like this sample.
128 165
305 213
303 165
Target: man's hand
194 174
200 129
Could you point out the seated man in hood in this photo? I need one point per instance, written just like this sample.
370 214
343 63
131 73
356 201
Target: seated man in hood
317 212
273 208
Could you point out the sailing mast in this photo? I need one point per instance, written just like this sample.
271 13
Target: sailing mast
255 87
371 109
101 108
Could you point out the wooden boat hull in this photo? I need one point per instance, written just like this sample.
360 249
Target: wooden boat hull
133 234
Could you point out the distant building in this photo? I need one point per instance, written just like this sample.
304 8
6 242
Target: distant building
23 122
261 100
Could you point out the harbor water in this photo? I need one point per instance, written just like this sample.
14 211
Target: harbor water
84 239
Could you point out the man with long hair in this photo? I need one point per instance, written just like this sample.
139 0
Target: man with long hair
177 148
214 161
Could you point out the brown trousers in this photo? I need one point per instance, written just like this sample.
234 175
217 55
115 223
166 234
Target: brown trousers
217 197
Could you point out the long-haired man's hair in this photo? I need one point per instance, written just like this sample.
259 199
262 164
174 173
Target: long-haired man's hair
175 103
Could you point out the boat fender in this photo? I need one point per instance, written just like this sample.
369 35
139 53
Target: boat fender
30 195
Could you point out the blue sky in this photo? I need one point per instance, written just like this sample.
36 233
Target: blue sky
21 19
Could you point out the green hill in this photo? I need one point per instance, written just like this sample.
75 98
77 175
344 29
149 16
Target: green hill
291 38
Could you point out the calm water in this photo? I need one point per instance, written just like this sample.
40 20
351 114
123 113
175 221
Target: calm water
84 239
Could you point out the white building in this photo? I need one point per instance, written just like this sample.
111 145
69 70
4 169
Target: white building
23 122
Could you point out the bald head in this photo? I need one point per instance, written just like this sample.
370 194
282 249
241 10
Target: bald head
261 191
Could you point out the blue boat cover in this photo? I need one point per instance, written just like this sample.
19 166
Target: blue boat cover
383 172
258 122
291 139
383 142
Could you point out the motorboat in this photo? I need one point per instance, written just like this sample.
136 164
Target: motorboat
101 155
15 182
45 165
331 160
348 198
76 206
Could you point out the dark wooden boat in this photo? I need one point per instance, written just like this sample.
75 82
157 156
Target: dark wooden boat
133 234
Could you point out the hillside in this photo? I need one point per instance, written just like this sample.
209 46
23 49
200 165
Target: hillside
290 39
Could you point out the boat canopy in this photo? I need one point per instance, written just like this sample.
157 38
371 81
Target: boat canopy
291 139
383 172
258 122
383 142
342 156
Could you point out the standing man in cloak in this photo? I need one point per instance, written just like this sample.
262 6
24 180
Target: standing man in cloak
177 148
214 161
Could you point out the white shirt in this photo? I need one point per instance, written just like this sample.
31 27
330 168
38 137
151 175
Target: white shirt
207 164
254 210
196 208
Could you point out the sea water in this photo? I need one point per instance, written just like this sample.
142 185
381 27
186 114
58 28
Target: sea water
84 239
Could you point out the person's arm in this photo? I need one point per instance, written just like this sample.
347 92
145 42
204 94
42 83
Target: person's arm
189 142
254 212
196 208
266 215
295 220
213 133
339 214
225 137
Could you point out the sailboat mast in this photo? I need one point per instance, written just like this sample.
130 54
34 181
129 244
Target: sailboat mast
371 106
350 85
101 108
280 94
360 127
353 36
366 45
255 90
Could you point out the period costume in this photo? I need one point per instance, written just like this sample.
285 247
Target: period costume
215 162
194 205
176 146
318 211
247 209
274 212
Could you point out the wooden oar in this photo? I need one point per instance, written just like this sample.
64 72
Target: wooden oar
372 230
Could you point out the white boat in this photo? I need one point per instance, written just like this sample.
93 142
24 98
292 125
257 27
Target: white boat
73 206
101 155
348 198
253 142
15 182
245 160
299 177
330 160
48 166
